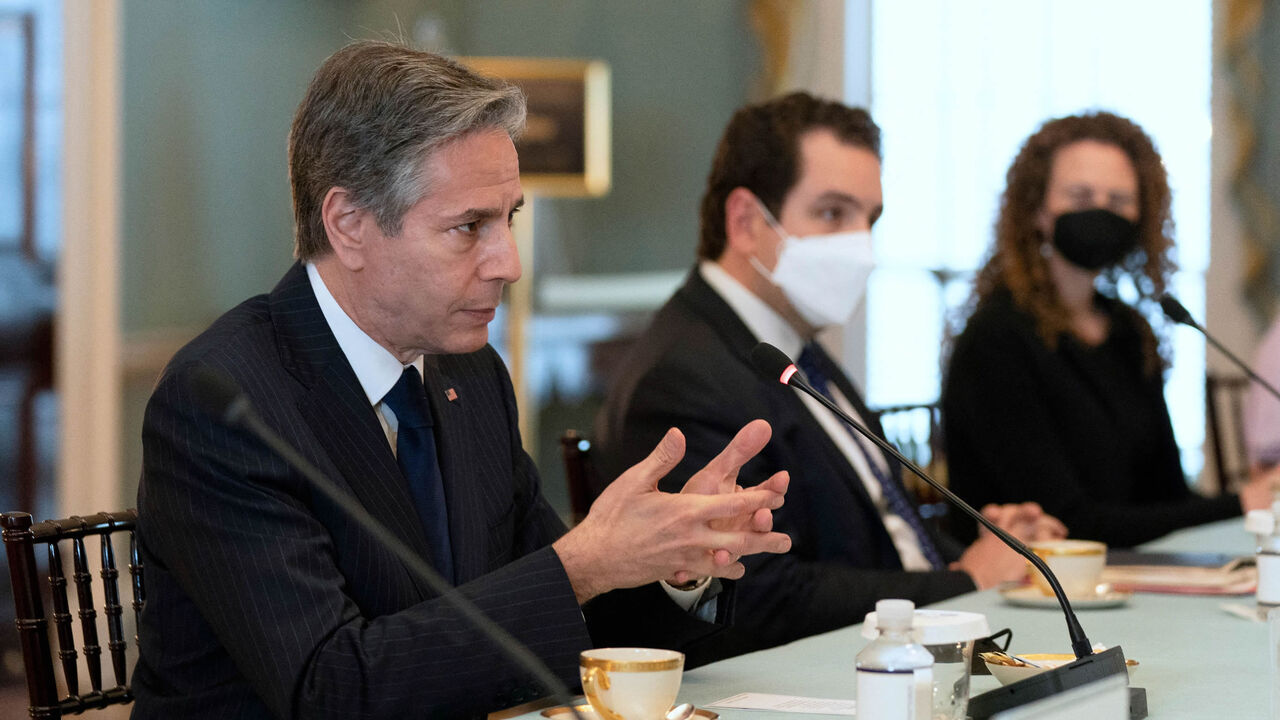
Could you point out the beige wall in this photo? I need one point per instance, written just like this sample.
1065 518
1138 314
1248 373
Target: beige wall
1227 316
208 92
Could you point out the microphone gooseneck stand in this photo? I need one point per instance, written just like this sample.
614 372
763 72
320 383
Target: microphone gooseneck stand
1088 666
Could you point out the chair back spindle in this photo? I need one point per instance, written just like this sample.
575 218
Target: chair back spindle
135 572
62 620
579 473
29 611
113 611
1224 411
88 616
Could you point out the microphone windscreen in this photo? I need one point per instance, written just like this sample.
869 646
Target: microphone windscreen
770 361
216 392
1175 311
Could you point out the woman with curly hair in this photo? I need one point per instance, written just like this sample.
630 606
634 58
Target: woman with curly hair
1054 390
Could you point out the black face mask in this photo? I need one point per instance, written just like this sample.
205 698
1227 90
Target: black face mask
1094 239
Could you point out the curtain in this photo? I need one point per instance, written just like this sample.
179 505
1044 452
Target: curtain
1251 46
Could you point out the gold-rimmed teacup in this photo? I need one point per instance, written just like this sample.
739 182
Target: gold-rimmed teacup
630 683
1077 563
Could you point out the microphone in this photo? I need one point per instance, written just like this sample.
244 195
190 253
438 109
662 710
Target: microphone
774 363
1175 311
220 395
1088 666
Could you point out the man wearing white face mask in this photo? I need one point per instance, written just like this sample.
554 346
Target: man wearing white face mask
823 276
785 250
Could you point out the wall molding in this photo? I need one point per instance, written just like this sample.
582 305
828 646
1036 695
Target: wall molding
144 353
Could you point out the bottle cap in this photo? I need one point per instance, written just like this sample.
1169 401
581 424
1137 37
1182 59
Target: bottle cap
1258 522
895 614
936 627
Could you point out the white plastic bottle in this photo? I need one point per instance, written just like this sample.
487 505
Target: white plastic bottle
895 673
1263 524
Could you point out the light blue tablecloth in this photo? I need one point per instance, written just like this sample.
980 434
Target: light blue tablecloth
1196 661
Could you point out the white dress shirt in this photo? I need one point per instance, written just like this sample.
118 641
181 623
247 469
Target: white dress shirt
768 326
378 371
375 367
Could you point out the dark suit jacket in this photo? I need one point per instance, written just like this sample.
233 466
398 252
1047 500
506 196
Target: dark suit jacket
691 369
264 600
1083 431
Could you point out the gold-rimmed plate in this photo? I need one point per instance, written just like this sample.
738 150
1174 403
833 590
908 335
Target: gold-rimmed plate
1031 597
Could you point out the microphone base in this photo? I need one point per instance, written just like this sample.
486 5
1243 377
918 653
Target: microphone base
1051 682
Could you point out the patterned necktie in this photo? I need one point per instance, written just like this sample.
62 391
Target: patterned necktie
894 493
416 455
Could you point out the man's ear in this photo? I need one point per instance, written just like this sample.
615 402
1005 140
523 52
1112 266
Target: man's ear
348 227
742 221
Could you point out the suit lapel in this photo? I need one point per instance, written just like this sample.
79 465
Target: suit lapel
703 300
339 414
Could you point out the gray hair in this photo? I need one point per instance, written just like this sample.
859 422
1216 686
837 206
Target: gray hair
373 113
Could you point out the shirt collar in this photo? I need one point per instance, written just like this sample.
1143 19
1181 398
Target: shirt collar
763 321
375 367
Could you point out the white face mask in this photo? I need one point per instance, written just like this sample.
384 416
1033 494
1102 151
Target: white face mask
824 276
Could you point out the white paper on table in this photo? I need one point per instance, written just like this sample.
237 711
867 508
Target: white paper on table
786 703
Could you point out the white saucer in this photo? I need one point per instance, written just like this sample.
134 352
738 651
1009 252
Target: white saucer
1030 596
563 712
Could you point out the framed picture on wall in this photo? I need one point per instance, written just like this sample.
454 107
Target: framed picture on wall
565 149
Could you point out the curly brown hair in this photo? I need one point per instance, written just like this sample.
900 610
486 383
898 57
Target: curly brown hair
1015 264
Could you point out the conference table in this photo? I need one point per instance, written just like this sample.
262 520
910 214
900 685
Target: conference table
1195 659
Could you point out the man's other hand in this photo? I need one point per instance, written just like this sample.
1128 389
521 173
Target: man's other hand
989 561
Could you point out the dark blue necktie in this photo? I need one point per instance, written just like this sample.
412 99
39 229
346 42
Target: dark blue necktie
416 455
894 494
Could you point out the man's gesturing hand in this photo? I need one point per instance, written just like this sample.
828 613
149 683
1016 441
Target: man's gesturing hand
720 476
636 534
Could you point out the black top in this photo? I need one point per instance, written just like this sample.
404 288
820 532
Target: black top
1080 430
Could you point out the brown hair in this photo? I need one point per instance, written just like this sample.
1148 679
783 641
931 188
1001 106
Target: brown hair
1015 263
760 150
373 112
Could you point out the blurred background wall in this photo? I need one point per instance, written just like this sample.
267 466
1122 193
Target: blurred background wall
209 92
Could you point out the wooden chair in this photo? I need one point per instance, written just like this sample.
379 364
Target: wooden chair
1224 408
579 473
916 430
21 536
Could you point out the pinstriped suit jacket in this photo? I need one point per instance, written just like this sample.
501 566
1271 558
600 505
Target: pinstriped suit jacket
264 601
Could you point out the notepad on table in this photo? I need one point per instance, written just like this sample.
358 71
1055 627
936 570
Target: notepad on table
1181 574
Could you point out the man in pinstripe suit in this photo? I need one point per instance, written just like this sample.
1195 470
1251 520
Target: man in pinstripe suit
264 600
